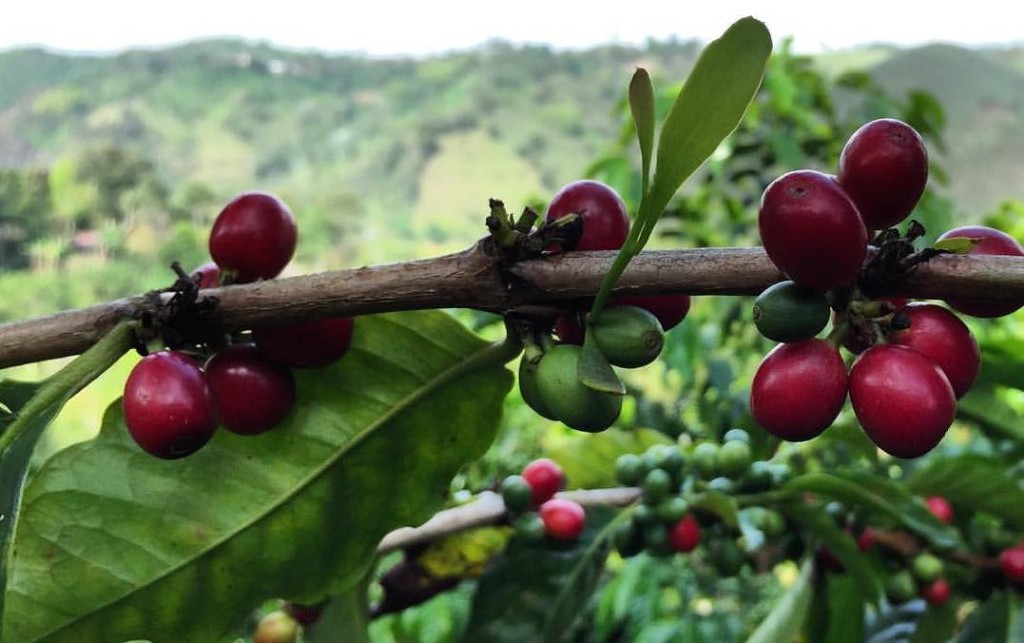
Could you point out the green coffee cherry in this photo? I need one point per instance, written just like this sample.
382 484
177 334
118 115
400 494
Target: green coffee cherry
568 399
726 556
656 537
733 458
529 527
704 459
722 484
927 568
786 312
656 486
900 587
628 539
773 524
672 510
670 458
645 514
628 336
528 388
517 494
733 435
759 477
629 469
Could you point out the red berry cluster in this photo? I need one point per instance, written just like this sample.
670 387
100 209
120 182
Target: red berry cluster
173 402
915 360
629 332
530 501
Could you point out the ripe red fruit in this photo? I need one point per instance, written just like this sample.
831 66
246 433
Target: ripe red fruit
168 407
304 614
903 400
936 592
939 334
563 519
884 169
309 344
209 275
811 230
867 539
252 393
545 478
569 329
799 389
605 222
1011 561
253 237
684 536
992 242
940 508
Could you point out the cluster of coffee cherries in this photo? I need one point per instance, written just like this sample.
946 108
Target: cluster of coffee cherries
914 359
629 332
175 399
664 523
533 508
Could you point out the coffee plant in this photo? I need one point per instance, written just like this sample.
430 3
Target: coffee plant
314 458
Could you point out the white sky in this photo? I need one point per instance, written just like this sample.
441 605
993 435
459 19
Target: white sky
386 27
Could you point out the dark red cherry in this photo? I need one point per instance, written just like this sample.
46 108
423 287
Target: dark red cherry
684 535
605 222
884 168
811 230
799 389
252 393
902 398
939 334
545 478
253 237
168 407
309 344
991 242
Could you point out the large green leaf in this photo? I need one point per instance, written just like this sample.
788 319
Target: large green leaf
28 410
114 544
709 107
864 489
787 618
978 482
999 620
535 592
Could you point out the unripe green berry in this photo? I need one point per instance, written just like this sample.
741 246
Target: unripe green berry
671 460
736 435
733 458
657 486
517 494
530 527
721 484
900 587
704 459
927 568
656 537
672 509
628 539
773 524
628 336
629 469
726 556
645 514
759 477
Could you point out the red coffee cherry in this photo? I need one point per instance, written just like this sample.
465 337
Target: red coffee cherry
867 539
939 334
940 508
252 393
545 478
253 237
937 592
209 275
605 222
563 519
168 407
811 230
569 329
310 344
684 536
799 389
1011 561
903 400
993 242
304 614
884 169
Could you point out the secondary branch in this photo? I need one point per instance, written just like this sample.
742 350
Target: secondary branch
476 278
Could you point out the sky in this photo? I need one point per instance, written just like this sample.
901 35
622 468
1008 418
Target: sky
389 28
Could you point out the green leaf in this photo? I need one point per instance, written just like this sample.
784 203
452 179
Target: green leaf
865 489
588 459
641 104
710 106
840 543
993 415
784 622
115 544
1000 619
936 624
594 370
977 482
346 617
845 608
894 623
30 409
535 592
